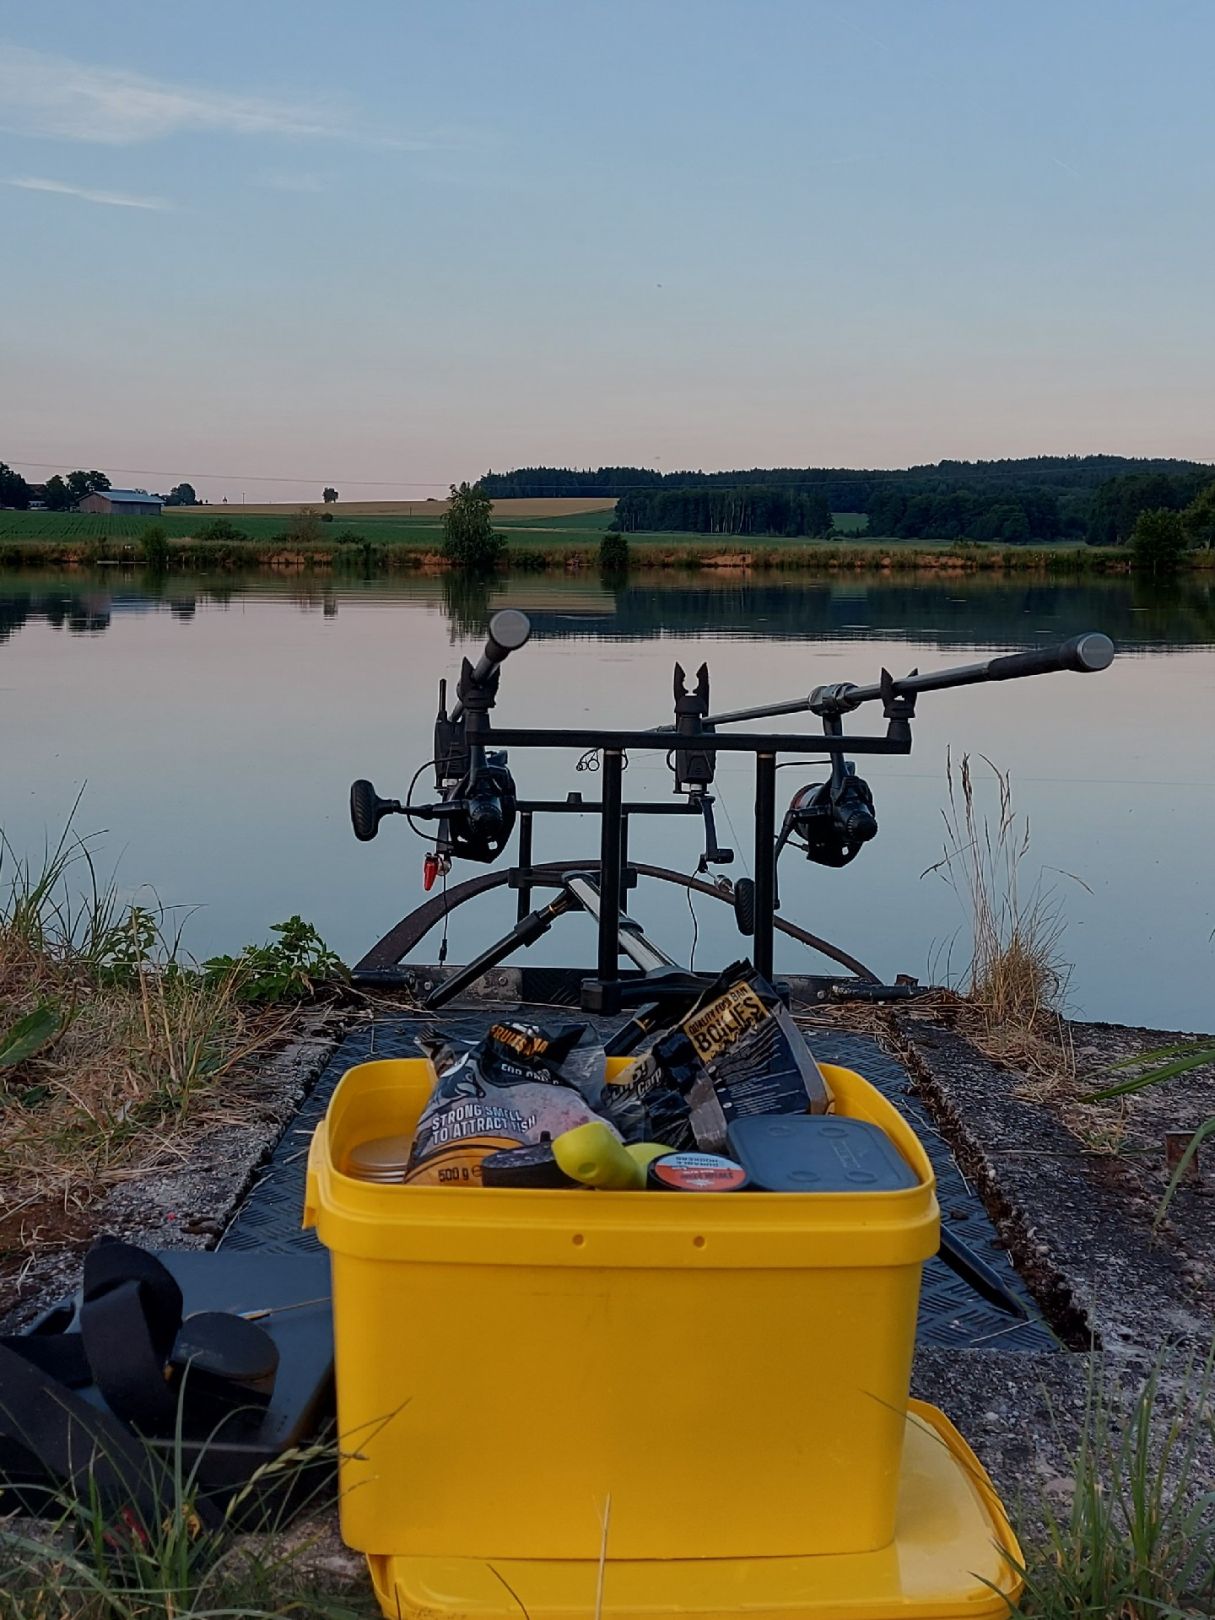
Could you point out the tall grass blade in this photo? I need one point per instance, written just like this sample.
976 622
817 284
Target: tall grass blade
1156 1077
1135 1539
1016 976
29 1035
1158 1052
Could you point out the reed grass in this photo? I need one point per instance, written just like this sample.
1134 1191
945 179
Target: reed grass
300 550
1016 976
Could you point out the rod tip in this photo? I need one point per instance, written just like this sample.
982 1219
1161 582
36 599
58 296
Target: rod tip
1094 651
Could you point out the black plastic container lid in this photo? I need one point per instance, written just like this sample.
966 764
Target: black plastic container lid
811 1153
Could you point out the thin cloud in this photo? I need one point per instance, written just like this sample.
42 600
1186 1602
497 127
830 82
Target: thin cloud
275 180
111 199
41 94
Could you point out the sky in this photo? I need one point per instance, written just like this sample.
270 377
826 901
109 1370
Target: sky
388 245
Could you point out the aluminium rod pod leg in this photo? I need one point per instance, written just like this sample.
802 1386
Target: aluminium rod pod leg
624 861
525 932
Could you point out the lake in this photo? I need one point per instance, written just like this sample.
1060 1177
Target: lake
215 725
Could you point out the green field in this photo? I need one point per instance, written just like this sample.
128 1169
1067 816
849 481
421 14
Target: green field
68 527
581 532
82 529
581 529
89 530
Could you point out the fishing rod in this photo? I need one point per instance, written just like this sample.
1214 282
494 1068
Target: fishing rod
1085 654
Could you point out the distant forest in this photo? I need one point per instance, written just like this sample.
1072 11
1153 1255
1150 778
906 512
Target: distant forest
724 509
1036 498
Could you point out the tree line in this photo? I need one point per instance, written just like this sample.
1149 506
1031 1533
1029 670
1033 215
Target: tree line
61 492
64 491
1117 505
753 509
1071 479
1033 499
1164 533
1008 515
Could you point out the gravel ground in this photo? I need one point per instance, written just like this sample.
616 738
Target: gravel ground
1127 1298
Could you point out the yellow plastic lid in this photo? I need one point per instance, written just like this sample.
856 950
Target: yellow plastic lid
954 1555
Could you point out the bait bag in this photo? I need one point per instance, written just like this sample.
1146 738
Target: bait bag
736 1053
518 1086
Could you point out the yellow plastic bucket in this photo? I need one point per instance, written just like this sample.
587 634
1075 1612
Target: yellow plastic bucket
729 1371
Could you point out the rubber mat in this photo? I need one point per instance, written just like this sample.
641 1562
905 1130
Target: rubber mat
952 1315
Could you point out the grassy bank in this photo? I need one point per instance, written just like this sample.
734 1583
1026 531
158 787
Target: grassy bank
375 544
114 1047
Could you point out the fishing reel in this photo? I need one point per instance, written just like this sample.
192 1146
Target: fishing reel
477 815
831 821
480 815
477 804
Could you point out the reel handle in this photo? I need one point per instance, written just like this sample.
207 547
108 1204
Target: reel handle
367 810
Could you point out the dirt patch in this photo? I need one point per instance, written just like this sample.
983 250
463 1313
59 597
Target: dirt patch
184 1189
1127 1135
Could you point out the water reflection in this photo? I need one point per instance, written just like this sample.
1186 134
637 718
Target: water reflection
218 721
929 609
89 609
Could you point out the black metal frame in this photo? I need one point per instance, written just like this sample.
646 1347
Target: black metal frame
612 746
469 777
383 964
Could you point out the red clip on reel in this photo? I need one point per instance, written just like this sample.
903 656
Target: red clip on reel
434 866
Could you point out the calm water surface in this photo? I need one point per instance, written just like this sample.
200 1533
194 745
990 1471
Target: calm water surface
216 726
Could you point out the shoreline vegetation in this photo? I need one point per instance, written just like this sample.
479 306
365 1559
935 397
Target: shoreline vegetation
1087 515
1069 515
378 546
810 559
116 1047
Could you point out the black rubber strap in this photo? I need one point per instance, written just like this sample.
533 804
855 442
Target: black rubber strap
49 1434
145 1363
110 1262
60 1355
128 1356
